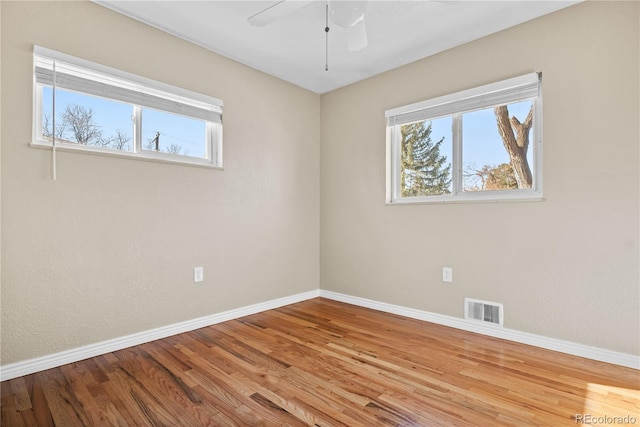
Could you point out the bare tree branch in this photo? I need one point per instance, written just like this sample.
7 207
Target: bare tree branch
47 124
173 149
119 141
83 127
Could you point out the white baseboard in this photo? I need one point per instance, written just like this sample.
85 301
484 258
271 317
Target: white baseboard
562 346
30 366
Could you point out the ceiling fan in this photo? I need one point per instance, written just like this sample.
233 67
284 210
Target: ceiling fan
349 15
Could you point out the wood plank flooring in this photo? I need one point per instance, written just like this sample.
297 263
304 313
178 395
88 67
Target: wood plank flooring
325 363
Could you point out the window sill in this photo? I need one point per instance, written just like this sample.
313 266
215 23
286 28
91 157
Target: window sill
145 156
484 197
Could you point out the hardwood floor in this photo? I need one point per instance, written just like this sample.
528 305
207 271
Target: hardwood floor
326 363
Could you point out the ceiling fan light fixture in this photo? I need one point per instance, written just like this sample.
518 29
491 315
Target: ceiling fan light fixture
347 14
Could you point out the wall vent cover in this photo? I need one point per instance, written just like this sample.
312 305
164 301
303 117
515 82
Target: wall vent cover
483 311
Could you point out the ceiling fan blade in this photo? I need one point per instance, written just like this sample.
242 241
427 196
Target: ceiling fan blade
276 11
357 37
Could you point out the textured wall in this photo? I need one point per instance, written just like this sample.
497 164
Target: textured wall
566 267
109 248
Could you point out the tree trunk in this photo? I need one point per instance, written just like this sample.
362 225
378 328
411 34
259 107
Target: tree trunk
516 143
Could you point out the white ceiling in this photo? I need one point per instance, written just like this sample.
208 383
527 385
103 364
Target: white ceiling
293 47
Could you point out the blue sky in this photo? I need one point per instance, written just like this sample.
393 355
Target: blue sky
110 116
482 144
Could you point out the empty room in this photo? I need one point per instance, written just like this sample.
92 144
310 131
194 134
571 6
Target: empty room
312 213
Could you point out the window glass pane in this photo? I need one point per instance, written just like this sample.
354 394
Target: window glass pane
174 134
426 154
87 120
487 165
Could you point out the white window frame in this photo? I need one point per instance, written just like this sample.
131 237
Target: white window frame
526 87
62 71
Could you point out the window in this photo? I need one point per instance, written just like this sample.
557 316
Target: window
479 144
83 106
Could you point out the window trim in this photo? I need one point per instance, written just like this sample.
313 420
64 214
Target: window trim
160 96
526 87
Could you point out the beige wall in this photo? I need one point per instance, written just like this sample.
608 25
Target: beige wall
566 267
109 248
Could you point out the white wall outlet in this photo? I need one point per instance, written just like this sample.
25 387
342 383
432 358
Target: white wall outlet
198 274
447 274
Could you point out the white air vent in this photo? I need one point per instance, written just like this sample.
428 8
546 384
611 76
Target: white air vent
484 311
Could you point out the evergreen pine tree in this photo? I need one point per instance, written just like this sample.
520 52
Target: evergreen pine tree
424 171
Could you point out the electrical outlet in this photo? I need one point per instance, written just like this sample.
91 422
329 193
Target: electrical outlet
447 274
198 274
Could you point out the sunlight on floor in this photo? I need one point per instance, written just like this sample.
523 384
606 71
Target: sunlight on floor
615 411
